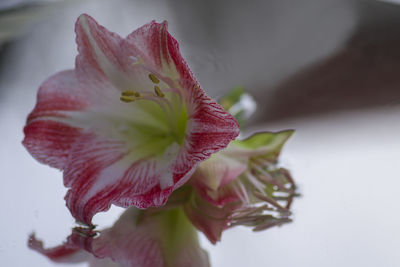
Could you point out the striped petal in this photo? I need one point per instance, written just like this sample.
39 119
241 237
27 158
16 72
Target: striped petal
212 176
70 252
46 137
208 218
67 252
137 239
163 238
133 153
241 185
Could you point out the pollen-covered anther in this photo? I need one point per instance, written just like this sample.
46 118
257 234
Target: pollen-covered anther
158 92
153 78
128 93
127 99
129 96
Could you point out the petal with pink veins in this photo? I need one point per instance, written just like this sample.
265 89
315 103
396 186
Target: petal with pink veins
210 219
212 176
130 125
137 239
237 185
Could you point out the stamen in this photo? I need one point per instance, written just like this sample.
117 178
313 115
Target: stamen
137 94
255 182
128 93
270 201
271 223
153 78
266 178
158 92
250 211
242 192
127 99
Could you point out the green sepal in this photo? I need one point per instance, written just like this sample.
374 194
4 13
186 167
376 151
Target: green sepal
271 142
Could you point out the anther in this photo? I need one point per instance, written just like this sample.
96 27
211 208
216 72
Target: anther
153 78
128 93
127 99
158 92
137 94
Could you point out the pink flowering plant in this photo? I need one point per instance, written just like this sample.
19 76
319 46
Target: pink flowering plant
131 126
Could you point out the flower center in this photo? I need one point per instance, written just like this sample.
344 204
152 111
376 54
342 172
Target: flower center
167 107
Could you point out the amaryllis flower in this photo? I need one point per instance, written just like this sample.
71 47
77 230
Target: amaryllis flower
242 185
156 238
129 125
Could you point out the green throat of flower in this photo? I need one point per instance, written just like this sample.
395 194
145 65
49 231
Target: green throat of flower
169 116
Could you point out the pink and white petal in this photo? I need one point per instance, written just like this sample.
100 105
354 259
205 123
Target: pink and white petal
129 248
210 127
89 158
218 171
67 252
123 188
72 251
138 238
105 65
147 239
49 141
102 172
220 197
101 66
209 130
46 138
212 177
105 61
208 218
129 243
99 53
151 43
61 92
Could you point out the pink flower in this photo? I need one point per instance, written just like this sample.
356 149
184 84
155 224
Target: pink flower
242 185
129 125
137 239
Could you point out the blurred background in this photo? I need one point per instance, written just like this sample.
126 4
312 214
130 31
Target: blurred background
330 69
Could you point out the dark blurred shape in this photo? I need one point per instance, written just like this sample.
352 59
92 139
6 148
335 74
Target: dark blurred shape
363 74
17 16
